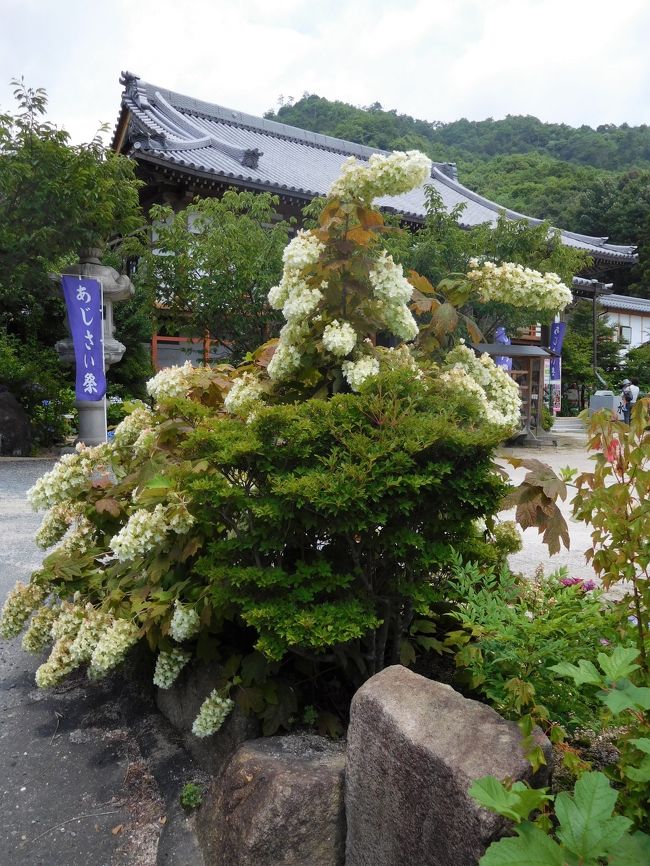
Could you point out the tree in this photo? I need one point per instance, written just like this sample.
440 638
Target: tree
210 267
442 246
55 198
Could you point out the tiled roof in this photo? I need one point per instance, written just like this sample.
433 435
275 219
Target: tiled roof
207 140
623 302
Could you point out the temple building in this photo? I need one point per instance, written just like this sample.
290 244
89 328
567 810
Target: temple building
185 148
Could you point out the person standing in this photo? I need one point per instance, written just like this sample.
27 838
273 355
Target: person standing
626 399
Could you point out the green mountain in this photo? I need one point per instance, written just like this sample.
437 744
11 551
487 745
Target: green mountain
595 181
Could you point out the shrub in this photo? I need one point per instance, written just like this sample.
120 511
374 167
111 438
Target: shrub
295 520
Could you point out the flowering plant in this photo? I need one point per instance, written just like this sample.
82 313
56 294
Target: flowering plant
315 532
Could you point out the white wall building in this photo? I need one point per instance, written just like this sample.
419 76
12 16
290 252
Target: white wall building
631 318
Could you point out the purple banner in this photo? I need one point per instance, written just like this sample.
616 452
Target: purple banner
557 337
83 298
556 369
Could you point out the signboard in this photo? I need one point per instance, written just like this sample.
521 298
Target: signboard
83 299
555 345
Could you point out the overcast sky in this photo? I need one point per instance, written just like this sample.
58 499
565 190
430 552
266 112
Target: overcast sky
571 61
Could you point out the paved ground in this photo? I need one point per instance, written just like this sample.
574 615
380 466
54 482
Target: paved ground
534 551
91 774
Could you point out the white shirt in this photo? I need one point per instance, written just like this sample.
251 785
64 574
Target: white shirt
634 391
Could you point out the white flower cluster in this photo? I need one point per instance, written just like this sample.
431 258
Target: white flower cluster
59 664
80 537
92 627
69 476
68 622
339 338
185 623
244 397
145 530
129 430
356 372
171 382
381 175
20 602
212 714
39 633
513 284
55 523
168 667
112 647
293 296
500 403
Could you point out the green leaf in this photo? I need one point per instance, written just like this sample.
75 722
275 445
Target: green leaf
158 481
626 697
531 847
584 672
587 827
406 653
631 850
515 803
621 663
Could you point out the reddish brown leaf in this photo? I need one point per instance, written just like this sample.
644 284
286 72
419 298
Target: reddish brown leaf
359 236
108 505
421 283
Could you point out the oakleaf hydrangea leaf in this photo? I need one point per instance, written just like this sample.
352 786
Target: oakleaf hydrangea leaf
588 828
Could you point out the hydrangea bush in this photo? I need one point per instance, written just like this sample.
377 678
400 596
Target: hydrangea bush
293 520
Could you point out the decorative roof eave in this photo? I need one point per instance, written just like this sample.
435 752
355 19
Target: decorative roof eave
213 179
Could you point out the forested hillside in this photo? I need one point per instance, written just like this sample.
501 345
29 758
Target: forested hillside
595 181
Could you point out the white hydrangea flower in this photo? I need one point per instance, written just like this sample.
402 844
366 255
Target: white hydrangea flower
381 176
519 286
143 531
59 664
244 396
185 623
339 338
388 281
285 361
80 537
171 382
39 633
56 523
132 427
19 604
213 713
399 321
112 647
356 372
501 404
303 250
68 622
93 625
168 667
71 475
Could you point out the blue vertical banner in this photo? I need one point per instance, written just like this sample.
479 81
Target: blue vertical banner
556 339
83 299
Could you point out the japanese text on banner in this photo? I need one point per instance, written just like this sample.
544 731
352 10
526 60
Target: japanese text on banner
83 298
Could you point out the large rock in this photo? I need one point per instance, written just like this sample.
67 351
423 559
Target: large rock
15 430
414 748
180 704
278 803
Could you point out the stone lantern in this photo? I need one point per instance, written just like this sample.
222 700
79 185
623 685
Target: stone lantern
117 287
